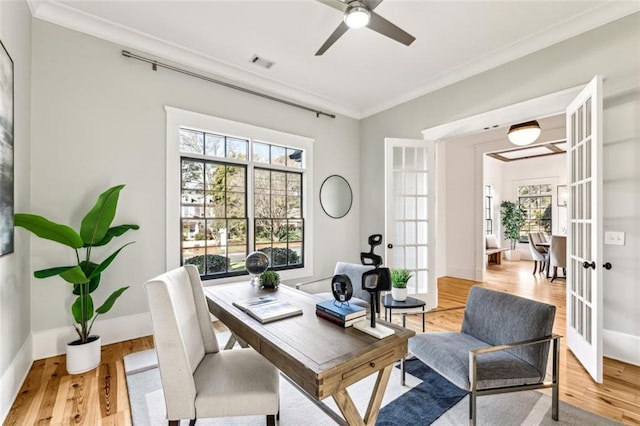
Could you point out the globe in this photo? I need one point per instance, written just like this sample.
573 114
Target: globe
256 263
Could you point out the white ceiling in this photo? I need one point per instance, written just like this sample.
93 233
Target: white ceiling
363 72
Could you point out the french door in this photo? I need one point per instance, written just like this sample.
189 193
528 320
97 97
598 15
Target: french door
410 213
584 240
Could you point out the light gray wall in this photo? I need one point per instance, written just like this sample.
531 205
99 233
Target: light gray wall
15 308
99 120
614 52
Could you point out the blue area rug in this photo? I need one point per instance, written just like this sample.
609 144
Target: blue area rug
423 404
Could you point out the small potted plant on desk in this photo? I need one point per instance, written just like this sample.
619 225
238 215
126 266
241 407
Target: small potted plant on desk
399 279
269 280
83 354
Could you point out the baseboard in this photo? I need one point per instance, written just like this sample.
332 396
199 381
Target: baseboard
48 343
621 346
464 273
14 376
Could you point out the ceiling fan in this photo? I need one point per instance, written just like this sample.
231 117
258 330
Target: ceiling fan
358 14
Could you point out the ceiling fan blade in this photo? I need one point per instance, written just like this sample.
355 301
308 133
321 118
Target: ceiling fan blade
371 4
386 28
336 4
342 28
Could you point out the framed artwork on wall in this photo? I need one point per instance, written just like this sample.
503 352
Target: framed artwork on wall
6 152
563 195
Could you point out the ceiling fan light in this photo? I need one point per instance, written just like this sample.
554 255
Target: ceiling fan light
524 133
357 16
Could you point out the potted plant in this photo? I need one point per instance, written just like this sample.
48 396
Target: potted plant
513 216
83 354
399 279
269 279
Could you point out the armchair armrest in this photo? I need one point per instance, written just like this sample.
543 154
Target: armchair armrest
477 352
302 284
473 371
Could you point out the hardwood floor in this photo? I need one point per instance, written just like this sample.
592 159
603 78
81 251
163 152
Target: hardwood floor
49 396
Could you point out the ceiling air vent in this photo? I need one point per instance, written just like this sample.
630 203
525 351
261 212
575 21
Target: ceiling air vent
261 62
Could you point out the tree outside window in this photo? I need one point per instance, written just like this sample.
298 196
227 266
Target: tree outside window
536 200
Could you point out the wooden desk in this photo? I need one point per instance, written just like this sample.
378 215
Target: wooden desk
320 357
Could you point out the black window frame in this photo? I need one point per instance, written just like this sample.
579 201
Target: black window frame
249 166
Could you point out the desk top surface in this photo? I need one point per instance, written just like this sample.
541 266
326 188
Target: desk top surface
309 349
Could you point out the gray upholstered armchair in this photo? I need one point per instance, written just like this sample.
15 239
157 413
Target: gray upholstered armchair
198 379
503 347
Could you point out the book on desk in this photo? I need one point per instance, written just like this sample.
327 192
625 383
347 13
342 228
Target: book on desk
268 308
343 312
335 320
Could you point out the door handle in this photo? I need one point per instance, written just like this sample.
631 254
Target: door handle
607 266
587 265
390 246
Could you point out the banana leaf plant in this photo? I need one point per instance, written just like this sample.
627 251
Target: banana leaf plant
84 277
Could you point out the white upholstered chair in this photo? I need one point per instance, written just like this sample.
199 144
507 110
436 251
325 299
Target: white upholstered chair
538 254
198 379
558 255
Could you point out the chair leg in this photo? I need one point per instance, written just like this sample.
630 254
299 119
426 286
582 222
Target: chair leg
555 273
564 272
174 422
535 266
271 420
192 422
555 390
472 408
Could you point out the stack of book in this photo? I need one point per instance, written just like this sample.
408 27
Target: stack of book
340 313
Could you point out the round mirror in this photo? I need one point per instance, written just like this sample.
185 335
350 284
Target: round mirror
336 196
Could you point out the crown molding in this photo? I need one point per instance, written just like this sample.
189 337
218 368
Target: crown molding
68 17
74 19
588 20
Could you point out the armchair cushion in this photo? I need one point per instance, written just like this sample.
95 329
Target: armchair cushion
448 354
497 318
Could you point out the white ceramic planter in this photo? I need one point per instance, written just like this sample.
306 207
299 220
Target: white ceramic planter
513 255
399 294
84 357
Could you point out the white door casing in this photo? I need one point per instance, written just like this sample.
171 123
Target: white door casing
410 218
584 236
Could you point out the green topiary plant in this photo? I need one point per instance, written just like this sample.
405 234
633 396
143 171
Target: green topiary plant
95 231
513 216
281 256
400 277
215 263
269 279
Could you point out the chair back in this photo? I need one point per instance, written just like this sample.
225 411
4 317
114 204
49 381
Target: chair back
497 318
558 255
182 333
354 272
535 253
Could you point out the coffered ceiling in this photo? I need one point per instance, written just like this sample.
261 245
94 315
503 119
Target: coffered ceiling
363 72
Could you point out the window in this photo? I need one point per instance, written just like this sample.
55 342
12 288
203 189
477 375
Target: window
236 194
488 209
536 200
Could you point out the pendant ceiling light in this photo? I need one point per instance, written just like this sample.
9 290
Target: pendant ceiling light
357 15
524 133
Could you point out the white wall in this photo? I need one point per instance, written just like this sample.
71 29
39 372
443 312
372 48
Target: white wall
552 169
99 120
493 175
15 307
613 51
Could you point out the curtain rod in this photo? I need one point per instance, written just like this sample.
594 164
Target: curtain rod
156 64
